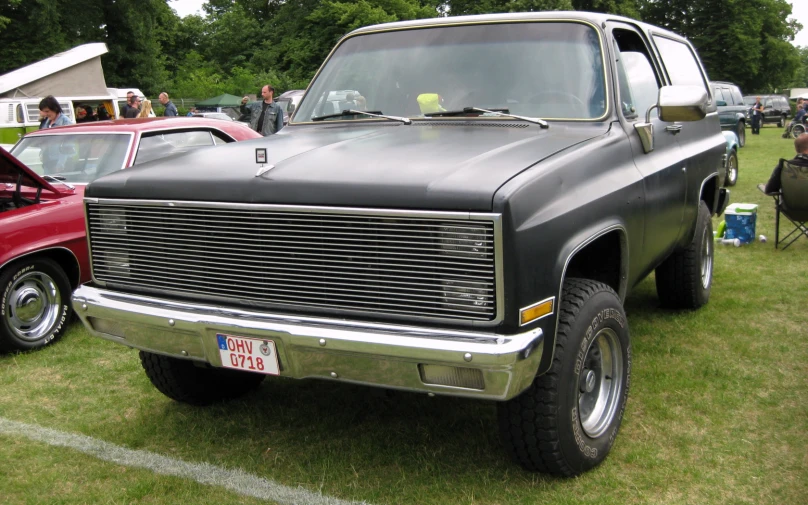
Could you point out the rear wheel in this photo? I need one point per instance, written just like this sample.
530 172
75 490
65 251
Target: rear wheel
566 422
732 169
797 130
685 278
35 309
186 382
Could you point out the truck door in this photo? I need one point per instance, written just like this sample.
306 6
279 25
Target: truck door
703 145
664 179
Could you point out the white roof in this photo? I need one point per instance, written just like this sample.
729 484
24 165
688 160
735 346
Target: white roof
48 66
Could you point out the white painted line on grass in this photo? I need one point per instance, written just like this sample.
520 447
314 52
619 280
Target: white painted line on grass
237 481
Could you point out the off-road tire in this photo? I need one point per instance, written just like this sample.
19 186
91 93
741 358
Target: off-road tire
186 382
543 429
732 169
34 304
684 279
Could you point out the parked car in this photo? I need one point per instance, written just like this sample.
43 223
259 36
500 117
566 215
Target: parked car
775 108
731 164
213 115
731 109
473 233
288 101
43 253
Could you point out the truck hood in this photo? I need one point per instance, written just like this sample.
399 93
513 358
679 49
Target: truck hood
447 165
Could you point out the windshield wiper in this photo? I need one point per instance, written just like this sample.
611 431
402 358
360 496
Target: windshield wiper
495 112
375 113
58 178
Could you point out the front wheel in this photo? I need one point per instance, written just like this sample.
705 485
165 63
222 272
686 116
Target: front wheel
35 304
684 279
741 132
781 121
566 422
186 382
732 169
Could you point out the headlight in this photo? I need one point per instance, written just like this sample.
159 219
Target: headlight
466 243
109 242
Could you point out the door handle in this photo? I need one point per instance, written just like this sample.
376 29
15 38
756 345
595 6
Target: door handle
674 128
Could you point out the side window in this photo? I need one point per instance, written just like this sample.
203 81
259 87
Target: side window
767 103
220 138
719 95
641 83
737 97
159 145
20 118
680 62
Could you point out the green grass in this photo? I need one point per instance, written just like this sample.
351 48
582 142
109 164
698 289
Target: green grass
718 411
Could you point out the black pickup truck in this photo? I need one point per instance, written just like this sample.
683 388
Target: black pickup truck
466 221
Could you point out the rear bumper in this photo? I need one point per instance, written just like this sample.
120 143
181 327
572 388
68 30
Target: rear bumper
389 356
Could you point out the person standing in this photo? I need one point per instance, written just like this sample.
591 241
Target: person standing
132 109
266 117
171 109
757 116
50 108
146 109
129 95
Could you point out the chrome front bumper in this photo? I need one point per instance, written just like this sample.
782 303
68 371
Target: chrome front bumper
383 355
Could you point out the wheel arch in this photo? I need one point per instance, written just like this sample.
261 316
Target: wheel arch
601 255
63 257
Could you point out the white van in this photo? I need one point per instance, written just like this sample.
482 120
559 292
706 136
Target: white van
19 116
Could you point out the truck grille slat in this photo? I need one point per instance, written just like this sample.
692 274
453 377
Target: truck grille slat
417 264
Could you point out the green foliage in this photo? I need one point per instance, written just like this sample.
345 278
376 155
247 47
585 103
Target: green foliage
239 45
756 35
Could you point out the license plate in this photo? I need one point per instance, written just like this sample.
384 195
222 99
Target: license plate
250 354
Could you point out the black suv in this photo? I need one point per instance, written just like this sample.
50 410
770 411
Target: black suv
731 108
775 108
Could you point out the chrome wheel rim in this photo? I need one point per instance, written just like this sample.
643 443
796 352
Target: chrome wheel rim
732 171
706 258
600 383
32 306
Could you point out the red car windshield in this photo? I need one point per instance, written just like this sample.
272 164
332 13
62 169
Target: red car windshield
75 157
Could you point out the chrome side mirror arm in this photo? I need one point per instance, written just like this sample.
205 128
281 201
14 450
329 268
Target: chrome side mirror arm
646 131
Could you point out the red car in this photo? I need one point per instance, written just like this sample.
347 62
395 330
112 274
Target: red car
43 249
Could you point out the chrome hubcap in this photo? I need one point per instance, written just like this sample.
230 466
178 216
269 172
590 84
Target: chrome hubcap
33 306
706 258
733 171
600 383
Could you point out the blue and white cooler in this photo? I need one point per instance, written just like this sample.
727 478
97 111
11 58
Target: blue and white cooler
741 219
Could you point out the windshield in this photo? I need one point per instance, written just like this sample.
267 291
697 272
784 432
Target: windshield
76 158
540 69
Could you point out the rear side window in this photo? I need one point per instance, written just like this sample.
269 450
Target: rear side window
718 94
680 62
737 97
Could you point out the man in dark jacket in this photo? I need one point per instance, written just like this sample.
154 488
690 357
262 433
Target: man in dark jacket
801 159
266 117
171 109
133 107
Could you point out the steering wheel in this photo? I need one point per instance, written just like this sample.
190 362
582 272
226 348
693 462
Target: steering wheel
571 98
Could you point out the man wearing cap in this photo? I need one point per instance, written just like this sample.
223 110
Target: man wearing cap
266 117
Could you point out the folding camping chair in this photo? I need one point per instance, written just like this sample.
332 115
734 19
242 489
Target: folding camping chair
791 201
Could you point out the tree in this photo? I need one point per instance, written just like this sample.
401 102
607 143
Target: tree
754 33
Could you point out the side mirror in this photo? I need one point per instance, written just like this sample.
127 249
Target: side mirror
721 103
682 103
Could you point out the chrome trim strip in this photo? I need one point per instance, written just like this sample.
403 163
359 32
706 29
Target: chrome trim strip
318 347
552 298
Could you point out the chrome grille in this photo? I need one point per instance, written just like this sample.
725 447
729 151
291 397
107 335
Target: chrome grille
416 264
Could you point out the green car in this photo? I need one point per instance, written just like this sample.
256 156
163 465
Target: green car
731 109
